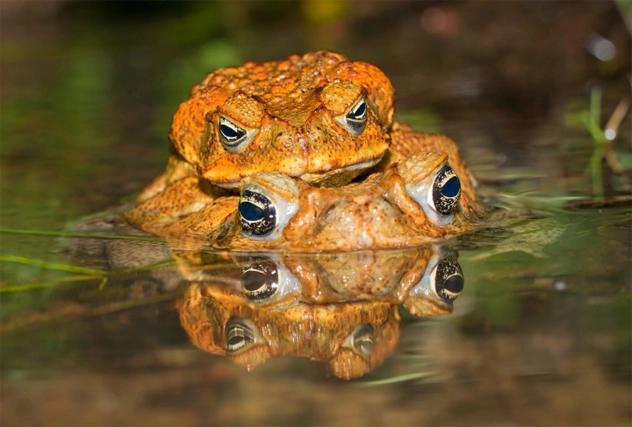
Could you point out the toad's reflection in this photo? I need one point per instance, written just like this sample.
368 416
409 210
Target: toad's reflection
339 308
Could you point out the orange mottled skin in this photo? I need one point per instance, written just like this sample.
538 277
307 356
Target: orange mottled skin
206 310
292 105
378 212
375 213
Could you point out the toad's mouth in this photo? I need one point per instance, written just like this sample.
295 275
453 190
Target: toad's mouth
331 177
339 176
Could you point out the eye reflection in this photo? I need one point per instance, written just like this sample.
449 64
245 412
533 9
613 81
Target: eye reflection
239 335
447 279
260 280
441 283
362 339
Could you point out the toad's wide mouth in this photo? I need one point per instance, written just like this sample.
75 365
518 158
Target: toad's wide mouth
338 176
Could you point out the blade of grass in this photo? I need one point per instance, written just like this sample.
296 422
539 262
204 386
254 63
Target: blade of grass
102 284
51 265
44 285
75 235
126 305
395 379
592 122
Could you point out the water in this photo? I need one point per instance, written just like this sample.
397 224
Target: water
124 332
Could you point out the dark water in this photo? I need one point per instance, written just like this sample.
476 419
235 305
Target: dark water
118 331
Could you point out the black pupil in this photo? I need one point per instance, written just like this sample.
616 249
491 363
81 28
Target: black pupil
454 284
449 279
358 112
250 211
363 339
235 340
260 280
253 280
446 191
231 133
452 187
237 335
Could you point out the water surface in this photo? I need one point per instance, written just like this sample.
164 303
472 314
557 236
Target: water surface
121 331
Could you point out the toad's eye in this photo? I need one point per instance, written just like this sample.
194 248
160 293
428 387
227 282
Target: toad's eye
354 120
438 194
447 279
260 280
446 191
231 133
257 214
234 138
267 203
358 112
239 334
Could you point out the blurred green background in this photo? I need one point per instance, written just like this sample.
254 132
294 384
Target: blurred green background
542 331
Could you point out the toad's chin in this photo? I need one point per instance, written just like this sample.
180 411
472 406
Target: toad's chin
330 178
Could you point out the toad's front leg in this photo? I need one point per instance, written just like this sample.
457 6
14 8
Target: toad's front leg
177 200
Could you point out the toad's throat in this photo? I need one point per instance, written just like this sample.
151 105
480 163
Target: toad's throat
330 177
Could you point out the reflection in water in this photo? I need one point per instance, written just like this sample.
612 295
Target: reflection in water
340 308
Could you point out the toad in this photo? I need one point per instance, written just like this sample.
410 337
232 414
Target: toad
319 117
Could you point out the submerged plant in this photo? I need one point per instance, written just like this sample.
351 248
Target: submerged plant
604 153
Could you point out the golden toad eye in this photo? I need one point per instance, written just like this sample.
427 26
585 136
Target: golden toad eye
355 119
234 138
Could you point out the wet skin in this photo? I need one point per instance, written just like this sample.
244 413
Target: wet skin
317 100
262 307
339 308
413 202
319 117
